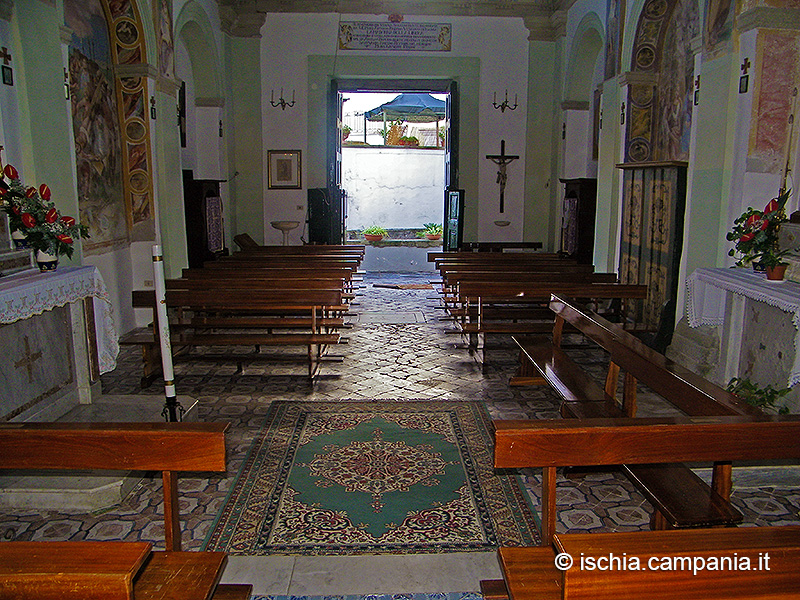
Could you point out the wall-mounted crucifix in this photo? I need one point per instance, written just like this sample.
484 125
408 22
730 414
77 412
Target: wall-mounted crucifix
501 160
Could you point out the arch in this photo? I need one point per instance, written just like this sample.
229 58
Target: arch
193 28
588 44
662 64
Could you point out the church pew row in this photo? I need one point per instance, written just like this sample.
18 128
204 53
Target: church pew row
710 564
516 307
550 444
680 498
224 314
86 570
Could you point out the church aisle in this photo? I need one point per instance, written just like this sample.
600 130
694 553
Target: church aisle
397 350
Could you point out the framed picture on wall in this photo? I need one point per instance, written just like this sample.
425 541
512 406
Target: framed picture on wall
284 169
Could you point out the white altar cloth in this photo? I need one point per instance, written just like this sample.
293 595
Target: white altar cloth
707 291
30 293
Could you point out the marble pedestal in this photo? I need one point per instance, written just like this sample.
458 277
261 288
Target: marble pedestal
88 491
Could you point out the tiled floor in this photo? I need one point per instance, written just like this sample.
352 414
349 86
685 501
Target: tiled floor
397 349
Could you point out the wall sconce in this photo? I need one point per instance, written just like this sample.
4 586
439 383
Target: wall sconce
281 102
504 104
153 107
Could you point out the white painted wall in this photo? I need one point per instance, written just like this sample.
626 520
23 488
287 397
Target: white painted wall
393 187
501 45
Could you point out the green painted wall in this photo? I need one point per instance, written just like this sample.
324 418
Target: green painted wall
44 111
606 234
541 160
243 72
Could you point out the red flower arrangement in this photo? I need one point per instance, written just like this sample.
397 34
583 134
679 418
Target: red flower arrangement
755 234
31 212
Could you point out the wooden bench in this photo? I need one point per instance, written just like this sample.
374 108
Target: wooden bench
549 444
244 316
721 564
88 570
476 297
680 498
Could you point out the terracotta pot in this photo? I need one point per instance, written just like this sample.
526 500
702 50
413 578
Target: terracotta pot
373 237
777 272
433 236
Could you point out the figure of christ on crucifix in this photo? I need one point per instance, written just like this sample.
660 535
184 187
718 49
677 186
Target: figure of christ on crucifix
501 160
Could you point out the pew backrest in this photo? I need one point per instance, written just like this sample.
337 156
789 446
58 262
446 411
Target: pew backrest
166 447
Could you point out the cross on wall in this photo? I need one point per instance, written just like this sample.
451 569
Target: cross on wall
5 55
28 359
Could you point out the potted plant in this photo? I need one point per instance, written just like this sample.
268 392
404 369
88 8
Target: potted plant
32 214
763 398
432 231
755 237
375 233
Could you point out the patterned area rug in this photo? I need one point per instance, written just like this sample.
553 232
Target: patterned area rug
372 477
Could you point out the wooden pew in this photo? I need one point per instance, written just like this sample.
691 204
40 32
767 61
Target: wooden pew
528 295
230 316
549 444
86 570
720 564
680 498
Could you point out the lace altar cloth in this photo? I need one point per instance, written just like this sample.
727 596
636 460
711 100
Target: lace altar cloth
707 291
30 293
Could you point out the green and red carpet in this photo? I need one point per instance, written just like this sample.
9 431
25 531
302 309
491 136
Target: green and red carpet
372 477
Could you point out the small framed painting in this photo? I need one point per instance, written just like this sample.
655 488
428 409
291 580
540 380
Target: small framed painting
284 169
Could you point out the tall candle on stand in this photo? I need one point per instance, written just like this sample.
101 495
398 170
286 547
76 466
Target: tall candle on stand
173 411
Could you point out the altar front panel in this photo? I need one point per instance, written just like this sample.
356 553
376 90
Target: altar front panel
37 375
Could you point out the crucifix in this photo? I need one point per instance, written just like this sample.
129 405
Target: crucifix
501 160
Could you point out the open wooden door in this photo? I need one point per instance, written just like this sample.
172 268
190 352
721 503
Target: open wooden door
453 196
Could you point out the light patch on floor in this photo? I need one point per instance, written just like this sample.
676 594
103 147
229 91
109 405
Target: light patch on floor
390 317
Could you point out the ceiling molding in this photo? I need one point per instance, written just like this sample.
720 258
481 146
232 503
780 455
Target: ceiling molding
245 17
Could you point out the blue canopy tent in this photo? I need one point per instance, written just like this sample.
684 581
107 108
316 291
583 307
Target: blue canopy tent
415 108
410 107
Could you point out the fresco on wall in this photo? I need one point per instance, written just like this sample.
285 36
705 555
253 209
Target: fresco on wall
166 45
718 30
95 125
676 84
615 16
778 66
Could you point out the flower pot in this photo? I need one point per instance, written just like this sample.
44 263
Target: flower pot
20 240
777 272
433 236
373 237
46 262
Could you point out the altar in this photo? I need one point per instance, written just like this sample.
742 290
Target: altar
58 335
756 323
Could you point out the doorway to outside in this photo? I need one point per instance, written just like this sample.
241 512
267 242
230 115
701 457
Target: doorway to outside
388 169
393 161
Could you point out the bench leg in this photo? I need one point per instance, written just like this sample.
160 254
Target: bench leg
548 505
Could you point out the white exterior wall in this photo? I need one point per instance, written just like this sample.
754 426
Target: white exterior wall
393 187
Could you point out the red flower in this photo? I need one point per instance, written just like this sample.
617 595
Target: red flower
44 191
747 237
64 238
756 221
10 172
16 209
30 192
51 216
68 221
28 220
